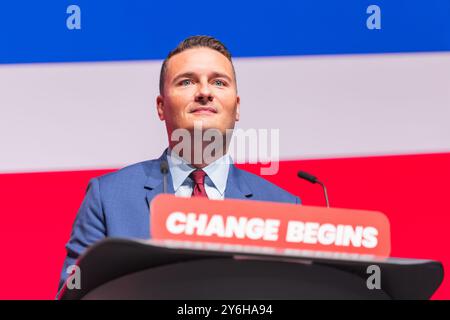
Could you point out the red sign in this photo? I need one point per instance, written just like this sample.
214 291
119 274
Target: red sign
270 224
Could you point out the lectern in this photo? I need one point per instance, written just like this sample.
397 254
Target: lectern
131 269
199 250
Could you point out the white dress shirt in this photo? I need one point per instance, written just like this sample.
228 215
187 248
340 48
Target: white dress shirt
215 179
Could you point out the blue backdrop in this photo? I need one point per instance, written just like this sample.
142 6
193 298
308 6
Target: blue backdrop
35 31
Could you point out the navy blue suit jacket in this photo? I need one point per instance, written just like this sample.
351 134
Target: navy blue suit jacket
117 204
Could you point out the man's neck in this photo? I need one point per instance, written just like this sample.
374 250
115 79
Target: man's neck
198 157
196 161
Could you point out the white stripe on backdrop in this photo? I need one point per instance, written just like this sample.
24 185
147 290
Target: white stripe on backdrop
102 115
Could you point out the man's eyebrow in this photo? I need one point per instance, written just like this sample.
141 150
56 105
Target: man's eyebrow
192 75
221 75
184 75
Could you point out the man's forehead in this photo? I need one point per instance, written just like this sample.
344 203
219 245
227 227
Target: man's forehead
203 60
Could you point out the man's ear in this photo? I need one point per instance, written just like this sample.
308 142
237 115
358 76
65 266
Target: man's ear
238 107
160 107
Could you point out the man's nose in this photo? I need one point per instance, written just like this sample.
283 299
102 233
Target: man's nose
204 94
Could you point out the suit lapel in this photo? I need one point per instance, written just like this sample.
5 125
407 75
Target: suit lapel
154 182
237 186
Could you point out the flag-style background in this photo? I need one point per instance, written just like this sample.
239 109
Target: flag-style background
368 111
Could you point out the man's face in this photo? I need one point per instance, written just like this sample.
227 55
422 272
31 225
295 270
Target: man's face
199 87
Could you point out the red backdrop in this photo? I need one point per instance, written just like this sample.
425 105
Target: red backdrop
37 211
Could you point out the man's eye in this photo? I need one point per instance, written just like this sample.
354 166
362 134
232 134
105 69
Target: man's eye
185 82
219 83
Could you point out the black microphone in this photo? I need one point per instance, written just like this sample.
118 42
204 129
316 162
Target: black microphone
310 178
164 168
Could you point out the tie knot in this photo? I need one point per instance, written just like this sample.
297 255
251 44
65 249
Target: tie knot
198 176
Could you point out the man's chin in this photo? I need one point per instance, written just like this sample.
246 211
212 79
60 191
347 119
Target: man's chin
205 123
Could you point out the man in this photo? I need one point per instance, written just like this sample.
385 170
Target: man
197 88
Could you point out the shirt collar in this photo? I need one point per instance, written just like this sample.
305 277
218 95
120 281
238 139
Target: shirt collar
217 171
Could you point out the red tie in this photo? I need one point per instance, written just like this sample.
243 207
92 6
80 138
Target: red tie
199 183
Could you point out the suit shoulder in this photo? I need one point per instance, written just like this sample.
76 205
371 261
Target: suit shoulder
266 190
134 172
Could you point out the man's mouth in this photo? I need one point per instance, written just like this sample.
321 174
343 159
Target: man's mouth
204 110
